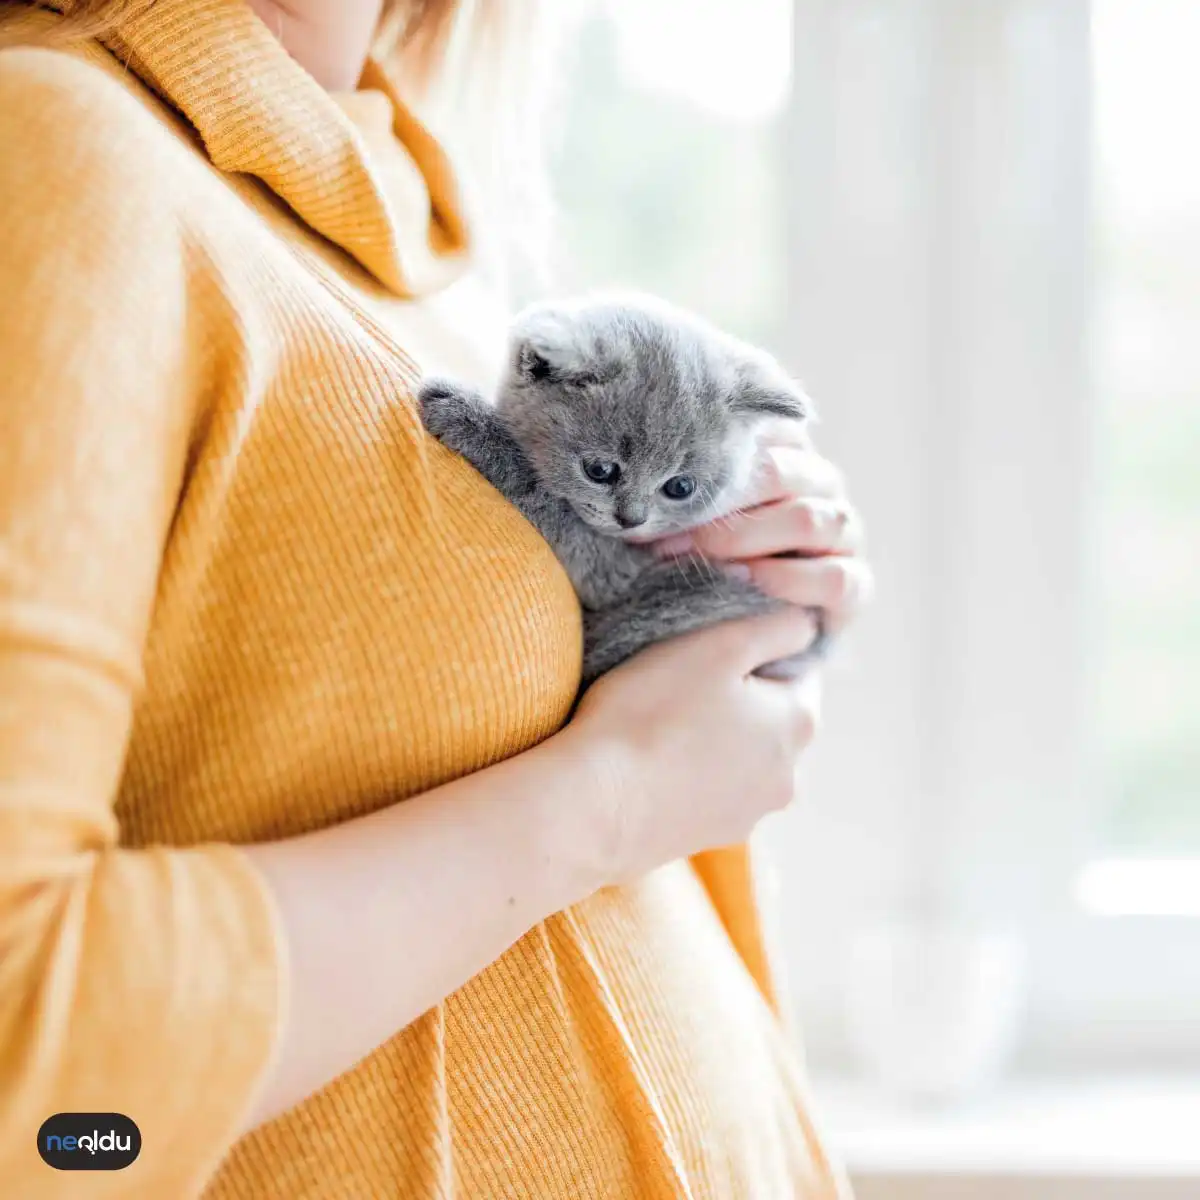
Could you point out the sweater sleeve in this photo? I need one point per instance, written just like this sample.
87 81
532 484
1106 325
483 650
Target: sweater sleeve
140 981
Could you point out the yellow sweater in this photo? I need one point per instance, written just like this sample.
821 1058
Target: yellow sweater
242 596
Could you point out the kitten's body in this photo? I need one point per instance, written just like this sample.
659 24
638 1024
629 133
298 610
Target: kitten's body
657 403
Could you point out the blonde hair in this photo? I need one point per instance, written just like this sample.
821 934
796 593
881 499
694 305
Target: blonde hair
481 74
478 72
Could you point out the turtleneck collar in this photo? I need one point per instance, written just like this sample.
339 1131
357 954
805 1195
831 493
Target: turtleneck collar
358 167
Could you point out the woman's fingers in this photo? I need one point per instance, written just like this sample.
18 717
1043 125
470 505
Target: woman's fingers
839 586
793 526
801 542
752 641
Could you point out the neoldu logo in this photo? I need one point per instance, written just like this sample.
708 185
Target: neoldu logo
89 1141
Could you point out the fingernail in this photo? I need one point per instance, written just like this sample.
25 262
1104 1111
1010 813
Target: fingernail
672 547
737 570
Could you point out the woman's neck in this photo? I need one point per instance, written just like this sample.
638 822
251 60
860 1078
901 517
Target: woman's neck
328 38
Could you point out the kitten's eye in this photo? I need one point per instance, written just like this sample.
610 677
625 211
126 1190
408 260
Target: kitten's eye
679 487
599 471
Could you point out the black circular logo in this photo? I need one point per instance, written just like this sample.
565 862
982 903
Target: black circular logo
89 1141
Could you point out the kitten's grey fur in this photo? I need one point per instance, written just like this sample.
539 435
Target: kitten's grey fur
631 383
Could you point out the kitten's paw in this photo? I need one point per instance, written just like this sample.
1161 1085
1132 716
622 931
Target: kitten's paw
786 670
442 403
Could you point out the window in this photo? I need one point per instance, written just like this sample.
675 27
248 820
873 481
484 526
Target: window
1148 374
974 231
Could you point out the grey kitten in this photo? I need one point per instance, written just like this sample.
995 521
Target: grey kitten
621 419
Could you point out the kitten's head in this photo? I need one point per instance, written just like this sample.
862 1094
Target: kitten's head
640 416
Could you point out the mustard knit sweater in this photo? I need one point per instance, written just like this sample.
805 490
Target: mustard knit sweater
243 596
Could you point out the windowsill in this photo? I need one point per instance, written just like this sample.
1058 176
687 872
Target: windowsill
1103 1129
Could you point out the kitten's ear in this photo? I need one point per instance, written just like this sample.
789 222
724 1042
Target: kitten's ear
768 392
552 344
532 362
546 345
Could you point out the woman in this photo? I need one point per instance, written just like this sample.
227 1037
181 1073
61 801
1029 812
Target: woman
247 607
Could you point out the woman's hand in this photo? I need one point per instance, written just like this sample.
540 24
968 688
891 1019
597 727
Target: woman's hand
799 508
689 750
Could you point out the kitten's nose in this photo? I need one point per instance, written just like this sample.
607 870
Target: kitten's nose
628 520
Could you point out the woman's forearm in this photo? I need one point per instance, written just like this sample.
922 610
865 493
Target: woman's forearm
388 914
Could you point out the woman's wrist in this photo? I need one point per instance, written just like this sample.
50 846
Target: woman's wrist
580 815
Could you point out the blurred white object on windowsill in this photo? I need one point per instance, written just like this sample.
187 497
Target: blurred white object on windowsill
933 1008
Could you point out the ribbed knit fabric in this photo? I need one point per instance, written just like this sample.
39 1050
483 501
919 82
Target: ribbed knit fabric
242 596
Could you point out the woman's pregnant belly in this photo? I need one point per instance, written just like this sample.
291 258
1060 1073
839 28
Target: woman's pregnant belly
619 1049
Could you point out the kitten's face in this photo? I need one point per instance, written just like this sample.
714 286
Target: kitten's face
641 418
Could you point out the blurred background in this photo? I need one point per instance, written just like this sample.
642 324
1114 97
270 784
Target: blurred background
973 230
